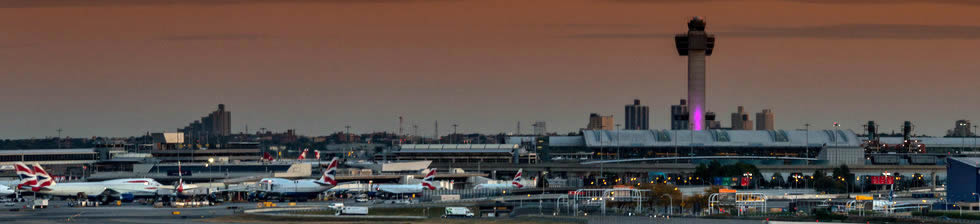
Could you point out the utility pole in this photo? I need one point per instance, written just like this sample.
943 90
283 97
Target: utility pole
436 135
59 137
415 132
454 133
349 145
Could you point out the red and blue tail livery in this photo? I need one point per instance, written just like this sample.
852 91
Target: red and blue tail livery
26 175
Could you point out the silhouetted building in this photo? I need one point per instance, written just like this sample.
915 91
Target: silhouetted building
740 120
961 129
217 123
696 45
637 116
599 122
679 116
764 120
540 128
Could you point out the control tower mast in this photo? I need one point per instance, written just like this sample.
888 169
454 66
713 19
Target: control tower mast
696 45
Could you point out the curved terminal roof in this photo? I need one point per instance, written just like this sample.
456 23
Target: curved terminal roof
715 138
459 147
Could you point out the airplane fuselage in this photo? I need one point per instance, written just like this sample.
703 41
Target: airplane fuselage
292 188
138 187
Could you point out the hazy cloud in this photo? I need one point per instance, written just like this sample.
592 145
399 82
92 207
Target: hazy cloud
968 2
23 45
97 3
843 31
221 36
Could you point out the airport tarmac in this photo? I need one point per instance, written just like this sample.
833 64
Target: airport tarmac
59 212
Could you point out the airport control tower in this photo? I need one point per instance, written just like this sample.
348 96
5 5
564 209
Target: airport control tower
696 45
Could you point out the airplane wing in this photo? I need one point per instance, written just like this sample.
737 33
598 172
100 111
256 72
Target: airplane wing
400 190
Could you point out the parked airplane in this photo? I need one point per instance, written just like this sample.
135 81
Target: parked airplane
4 191
516 183
105 190
410 188
26 176
302 189
302 155
268 157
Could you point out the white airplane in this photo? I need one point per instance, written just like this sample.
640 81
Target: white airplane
43 184
409 188
516 183
4 191
306 188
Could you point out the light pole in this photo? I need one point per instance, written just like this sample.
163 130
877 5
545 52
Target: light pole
749 175
454 133
836 129
670 210
963 138
618 147
692 141
807 144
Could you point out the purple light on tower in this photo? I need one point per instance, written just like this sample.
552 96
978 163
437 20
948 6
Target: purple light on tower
698 121
696 45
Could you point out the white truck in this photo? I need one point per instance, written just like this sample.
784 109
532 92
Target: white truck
40 203
353 210
457 212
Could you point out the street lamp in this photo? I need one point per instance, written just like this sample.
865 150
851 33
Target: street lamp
670 210
836 129
807 146
749 175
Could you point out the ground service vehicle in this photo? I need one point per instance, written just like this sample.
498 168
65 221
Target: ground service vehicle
353 210
458 212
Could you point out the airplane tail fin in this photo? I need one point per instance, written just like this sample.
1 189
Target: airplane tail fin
517 179
180 185
429 178
302 155
329 173
25 174
43 178
268 157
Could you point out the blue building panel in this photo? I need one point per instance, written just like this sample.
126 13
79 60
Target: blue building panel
962 183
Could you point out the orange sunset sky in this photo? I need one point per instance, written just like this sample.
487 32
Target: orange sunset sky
122 68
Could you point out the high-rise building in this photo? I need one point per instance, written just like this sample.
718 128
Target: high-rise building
962 129
679 116
599 122
217 123
540 128
764 120
710 120
696 45
740 120
637 116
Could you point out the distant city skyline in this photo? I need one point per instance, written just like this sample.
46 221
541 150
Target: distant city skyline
120 68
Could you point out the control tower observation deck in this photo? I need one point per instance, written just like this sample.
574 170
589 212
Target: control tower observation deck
696 45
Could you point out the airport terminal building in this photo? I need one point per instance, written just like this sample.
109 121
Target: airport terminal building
794 147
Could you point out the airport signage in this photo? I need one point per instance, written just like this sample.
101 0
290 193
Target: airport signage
864 198
882 180
173 173
723 190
